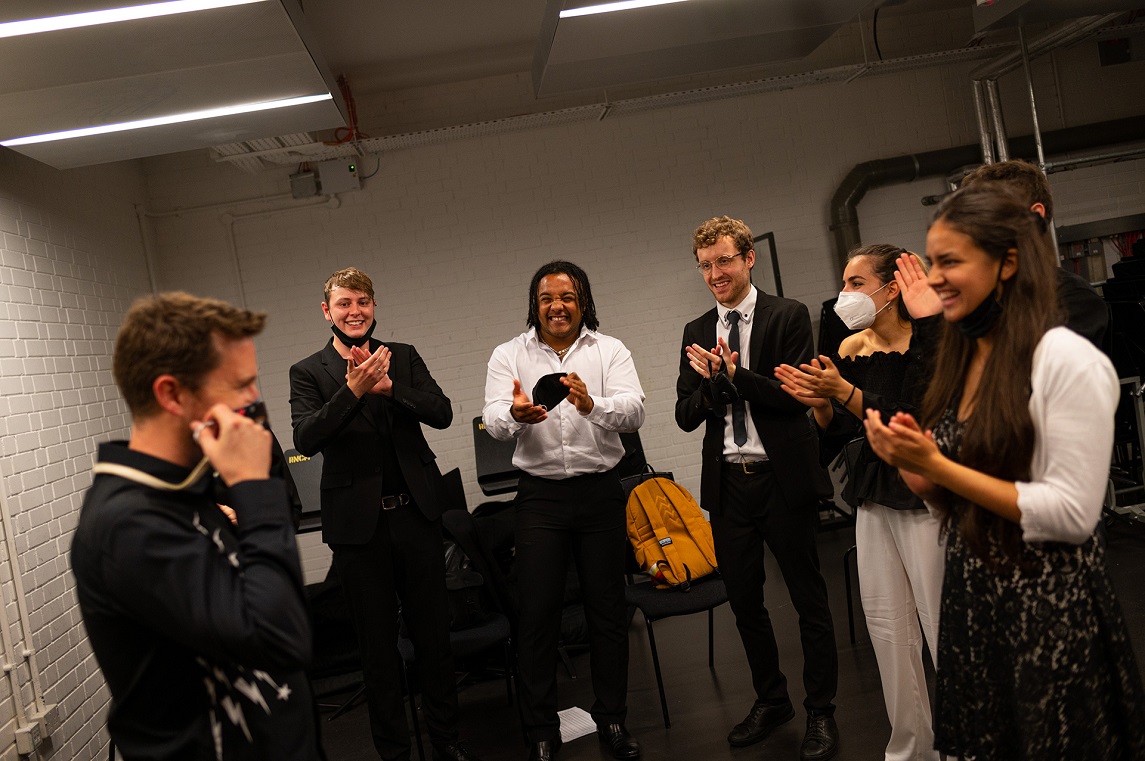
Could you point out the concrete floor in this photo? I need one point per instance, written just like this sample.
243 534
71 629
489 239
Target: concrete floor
704 704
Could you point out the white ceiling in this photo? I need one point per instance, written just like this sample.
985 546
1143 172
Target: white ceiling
285 48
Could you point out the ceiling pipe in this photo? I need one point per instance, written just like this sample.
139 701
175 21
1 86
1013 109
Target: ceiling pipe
1062 35
985 138
881 172
989 72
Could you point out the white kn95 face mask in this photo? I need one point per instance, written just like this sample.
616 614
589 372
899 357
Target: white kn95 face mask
857 310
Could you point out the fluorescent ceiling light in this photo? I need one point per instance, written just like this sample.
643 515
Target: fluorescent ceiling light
112 15
211 113
624 5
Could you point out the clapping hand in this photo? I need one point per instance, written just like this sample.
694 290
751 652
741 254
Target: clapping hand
523 410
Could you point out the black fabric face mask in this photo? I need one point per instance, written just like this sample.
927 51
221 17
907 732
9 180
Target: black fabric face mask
360 341
549 391
983 317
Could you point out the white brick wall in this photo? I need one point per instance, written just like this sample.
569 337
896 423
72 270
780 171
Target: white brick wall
451 233
70 264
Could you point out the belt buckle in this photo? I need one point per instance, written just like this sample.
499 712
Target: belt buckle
746 471
394 501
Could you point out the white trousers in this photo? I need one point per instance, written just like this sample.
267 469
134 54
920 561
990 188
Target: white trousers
901 558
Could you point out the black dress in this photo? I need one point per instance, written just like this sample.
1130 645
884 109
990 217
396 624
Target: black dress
1034 660
891 382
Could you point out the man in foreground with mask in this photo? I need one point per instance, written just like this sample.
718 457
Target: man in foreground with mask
362 404
760 479
199 624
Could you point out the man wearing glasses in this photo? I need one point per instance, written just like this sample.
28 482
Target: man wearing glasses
761 479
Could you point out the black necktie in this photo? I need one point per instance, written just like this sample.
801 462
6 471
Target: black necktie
739 409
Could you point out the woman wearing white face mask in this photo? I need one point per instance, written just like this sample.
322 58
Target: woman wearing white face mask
884 367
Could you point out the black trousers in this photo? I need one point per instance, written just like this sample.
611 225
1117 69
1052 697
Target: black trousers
404 558
580 517
754 513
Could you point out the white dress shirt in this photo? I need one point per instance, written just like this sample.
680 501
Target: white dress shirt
753 448
566 443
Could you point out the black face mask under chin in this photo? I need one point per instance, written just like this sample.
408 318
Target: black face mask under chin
983 317
360 340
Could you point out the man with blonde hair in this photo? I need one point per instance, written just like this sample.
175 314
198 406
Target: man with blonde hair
362 403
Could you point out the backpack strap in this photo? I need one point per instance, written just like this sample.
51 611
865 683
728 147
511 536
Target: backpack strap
701 538
652 489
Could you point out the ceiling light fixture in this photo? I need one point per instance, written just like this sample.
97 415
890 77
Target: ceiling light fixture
112 15
624 5
211 113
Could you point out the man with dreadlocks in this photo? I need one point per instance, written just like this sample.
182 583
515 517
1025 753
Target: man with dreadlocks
565 393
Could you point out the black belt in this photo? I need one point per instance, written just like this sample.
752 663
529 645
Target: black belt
395 501
749 468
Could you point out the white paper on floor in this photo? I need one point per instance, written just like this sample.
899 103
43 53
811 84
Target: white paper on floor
575 722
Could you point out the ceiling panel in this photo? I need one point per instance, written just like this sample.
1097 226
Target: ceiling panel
112 73
678 39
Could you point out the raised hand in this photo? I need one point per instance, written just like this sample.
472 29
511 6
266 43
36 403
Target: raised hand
797 384
523 410
902 442
706 363
237 447
578 393
920 299
369 373
730 358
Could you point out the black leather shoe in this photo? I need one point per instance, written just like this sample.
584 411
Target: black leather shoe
544 750
759 722
822 739
618 741
454 751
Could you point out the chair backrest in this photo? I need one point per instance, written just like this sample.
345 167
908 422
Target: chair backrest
307 475
461 526
496 473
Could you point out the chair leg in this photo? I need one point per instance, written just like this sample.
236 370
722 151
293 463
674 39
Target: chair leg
509 670
408 684
563 652
659 676
711 640
850 601
350 702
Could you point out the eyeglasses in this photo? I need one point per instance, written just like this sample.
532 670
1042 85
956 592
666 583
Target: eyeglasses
722 263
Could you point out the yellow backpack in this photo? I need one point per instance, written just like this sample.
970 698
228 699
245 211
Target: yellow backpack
671 538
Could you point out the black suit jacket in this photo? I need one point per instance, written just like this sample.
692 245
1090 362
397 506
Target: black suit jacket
781 332
328 418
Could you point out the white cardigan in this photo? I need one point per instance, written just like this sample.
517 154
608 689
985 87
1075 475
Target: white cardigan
1075 391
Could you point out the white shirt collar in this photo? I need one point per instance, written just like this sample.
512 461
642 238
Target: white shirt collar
586 335
746 308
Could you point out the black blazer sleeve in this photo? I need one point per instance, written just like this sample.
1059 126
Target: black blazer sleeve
693 394
420 397
791 327
319 408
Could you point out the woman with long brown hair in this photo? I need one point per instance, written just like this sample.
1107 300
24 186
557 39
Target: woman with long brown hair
1034 660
